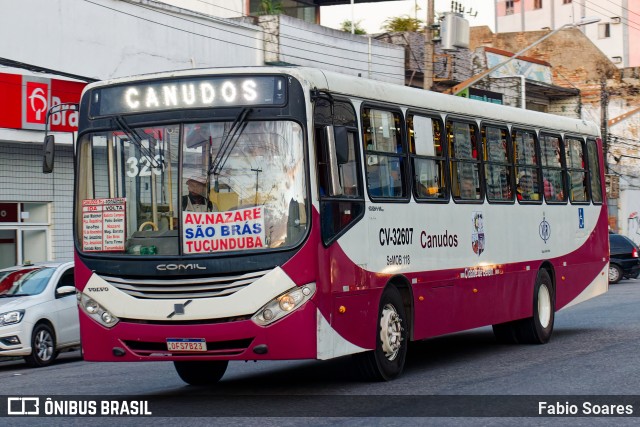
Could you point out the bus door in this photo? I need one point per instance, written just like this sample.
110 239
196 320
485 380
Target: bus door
342 258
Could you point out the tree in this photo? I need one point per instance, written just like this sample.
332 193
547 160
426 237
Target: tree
402 23
270 7
346 26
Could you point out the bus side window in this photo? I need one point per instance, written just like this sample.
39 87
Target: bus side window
576 170
464 161
552 169
527 166
594 171
427 157
498 167
385 153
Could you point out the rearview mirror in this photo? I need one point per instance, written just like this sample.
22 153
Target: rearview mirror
48 154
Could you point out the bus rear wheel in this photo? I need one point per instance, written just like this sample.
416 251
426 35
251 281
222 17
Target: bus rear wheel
386 362
538 328
201 373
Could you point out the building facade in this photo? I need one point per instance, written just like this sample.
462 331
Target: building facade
617 33
76 42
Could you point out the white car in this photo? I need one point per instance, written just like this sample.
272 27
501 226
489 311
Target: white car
38 312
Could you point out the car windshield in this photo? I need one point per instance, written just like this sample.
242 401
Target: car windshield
25 282
195 188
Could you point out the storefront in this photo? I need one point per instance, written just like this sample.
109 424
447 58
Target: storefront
35 209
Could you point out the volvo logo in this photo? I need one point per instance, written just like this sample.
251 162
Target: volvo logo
173 267
179 308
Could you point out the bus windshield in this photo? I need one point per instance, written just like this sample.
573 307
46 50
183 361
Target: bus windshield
196 188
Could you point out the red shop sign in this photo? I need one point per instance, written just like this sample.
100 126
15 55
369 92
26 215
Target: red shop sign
25 100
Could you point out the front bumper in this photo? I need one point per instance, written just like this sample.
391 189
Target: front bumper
21 330
293 337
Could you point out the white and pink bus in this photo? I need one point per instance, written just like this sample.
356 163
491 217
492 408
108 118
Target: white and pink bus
292 213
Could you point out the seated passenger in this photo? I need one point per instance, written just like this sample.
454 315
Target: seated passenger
524 188
549 192
196 200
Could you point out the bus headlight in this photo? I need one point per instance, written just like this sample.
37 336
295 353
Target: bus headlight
96 311
284 304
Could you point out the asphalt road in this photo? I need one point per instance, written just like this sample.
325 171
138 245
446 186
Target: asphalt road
595 351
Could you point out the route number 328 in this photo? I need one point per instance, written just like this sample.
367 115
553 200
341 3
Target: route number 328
143 166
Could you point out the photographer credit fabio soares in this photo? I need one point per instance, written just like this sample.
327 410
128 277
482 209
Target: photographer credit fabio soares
196 200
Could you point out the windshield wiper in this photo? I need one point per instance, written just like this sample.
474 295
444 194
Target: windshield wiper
14 295
135 138
229 141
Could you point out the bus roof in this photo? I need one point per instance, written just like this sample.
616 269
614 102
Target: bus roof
372 90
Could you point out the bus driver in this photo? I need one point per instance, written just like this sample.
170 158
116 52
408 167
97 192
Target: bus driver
197 200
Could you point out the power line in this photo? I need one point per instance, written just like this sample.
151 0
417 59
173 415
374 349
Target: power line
611 13
264 32
39 69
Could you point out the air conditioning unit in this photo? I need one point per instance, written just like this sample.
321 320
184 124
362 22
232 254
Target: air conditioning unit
616 20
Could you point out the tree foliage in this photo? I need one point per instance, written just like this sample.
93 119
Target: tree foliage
346 26
402 23
270 7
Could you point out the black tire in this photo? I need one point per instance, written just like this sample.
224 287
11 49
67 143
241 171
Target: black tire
201 373
615 273
538 328
386 362
43 346
505 333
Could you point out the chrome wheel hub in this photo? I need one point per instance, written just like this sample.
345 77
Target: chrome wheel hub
44 345
390 332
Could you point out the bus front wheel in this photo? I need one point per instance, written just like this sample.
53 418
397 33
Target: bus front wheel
201 373
387 360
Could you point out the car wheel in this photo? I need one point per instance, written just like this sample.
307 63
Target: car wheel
201 373
43 346
615 273
387 360
633 275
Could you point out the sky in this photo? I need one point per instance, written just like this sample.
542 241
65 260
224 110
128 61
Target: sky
373 15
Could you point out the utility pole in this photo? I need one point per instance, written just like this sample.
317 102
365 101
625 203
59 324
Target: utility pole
257 171
429 47
604 119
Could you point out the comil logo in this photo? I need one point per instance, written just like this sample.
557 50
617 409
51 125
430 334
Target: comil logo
37 102
23 406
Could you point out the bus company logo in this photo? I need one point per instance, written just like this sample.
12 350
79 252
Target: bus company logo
545 229
477 234
174 267
179 308
23 406
36 102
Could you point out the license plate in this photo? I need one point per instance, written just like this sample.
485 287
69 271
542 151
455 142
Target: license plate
186 344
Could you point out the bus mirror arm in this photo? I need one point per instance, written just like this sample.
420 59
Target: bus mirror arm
48 147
